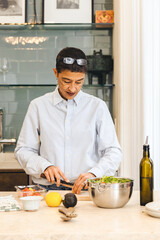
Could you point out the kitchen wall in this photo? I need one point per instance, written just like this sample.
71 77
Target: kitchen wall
30 57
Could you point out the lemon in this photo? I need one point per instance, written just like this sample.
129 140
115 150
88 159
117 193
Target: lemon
53 199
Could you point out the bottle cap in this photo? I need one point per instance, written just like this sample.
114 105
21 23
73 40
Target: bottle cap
146 145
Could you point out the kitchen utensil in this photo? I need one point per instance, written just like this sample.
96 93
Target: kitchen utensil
65 218
110 195
67 213
62 182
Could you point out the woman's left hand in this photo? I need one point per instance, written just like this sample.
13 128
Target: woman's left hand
80 182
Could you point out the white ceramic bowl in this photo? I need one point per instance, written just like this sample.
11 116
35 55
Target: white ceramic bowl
31 203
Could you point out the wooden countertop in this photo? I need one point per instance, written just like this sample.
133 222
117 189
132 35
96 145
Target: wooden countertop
129 222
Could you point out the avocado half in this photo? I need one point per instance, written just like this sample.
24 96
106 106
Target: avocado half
70 200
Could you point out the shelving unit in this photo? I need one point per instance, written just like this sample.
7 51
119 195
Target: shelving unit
57 26
53 85
15 97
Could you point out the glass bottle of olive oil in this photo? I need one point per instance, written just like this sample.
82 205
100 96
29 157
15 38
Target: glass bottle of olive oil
146 176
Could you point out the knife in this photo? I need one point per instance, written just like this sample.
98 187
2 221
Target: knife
62 182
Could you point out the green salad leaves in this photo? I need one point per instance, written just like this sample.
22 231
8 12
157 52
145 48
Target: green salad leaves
110 179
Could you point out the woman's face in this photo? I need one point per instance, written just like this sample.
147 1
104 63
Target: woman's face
70 83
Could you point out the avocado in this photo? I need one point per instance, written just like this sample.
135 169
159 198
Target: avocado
70 200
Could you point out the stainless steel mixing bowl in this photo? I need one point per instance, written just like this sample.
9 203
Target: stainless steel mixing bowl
110 195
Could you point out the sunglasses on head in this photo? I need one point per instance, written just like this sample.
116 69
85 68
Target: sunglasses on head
69 60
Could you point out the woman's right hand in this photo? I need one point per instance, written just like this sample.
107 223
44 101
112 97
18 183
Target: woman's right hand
54 173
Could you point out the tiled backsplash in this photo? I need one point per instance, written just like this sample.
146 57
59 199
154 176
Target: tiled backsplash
30 56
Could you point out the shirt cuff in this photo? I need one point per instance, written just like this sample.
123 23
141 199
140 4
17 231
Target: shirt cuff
96 172
92 173
44 166
48 167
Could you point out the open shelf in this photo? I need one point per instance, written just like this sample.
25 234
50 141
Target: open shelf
54 85
57 26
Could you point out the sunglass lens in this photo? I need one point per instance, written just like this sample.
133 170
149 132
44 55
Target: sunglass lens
82 62
68 60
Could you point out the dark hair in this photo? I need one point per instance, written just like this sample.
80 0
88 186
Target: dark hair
73 53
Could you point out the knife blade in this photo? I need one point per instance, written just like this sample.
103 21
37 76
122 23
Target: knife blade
62 182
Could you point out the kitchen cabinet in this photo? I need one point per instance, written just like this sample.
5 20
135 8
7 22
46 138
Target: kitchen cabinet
12 177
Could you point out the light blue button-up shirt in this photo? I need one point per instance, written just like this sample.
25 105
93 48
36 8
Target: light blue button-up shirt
76 135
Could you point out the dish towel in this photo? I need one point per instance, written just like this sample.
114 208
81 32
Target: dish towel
9 203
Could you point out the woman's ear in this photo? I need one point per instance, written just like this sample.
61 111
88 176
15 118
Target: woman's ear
55 72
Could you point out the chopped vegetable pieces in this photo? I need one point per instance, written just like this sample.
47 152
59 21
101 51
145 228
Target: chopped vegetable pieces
109 179
30 192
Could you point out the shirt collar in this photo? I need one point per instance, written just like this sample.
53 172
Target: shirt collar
78 97
57 97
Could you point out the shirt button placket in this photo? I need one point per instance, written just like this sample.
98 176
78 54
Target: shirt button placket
67 139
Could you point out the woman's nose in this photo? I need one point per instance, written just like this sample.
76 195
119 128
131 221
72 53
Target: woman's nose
72 87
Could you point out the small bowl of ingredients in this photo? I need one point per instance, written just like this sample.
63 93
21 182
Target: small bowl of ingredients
110 192
30 190
31 203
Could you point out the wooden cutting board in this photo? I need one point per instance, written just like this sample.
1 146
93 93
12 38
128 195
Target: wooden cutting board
83 196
